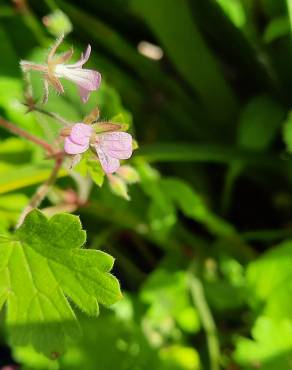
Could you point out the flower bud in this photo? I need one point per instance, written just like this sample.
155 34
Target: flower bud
118 186
129 174
57 23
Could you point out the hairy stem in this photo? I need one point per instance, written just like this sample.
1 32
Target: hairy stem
42 191
52 115
198 296
20 132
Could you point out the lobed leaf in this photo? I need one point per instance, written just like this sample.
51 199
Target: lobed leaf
43 265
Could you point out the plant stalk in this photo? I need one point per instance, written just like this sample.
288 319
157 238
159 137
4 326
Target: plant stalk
198 296
20 132
42 191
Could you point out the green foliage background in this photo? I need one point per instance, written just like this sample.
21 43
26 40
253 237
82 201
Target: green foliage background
204 248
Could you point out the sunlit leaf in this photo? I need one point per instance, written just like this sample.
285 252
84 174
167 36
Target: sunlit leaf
41 265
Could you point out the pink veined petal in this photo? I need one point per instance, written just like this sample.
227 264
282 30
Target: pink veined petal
72 148
109 164
117 144
84 94
80 134
85 78
83 59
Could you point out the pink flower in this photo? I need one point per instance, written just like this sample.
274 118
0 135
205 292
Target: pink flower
78 140
110 146
55 68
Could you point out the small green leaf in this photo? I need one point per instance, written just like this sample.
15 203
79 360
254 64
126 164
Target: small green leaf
40 266
192 205
270 280
235 11
259 122
270 348
166 293
90 165
277 28
95 170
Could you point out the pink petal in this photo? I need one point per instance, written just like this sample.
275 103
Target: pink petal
84 94
109 164
80 134
84 58
87 54
72 148
116 144
85 78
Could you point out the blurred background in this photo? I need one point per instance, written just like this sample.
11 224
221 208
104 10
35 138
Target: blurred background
203 249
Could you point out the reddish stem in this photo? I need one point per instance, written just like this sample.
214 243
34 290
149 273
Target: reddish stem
20 132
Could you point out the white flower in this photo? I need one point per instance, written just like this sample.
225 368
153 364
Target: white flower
55 68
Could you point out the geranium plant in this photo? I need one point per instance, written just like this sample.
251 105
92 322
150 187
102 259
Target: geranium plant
44 265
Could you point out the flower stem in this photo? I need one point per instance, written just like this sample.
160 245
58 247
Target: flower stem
42 191
56 116
20 132
198 296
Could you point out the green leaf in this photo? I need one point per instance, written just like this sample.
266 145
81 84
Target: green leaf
167 295
277 28
287 132
270 348
178 357
15 150
161 211
113 342
10 208
235 11
8 62
193 206
177 152
95 170
40 266
270 285
258 126
259 122
90 165
270 281
11 102
18 177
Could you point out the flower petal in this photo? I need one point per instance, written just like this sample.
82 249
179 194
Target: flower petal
84 58
85 78
84 94
116 144
72 148
80 134
108 163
